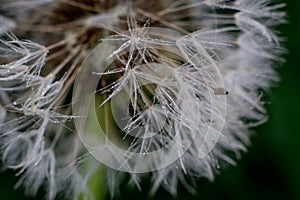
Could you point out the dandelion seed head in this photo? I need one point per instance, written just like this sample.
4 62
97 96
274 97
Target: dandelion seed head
165 88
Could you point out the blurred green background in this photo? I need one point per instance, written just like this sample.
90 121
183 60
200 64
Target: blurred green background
271 167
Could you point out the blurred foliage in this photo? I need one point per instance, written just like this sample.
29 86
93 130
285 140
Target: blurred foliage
271 167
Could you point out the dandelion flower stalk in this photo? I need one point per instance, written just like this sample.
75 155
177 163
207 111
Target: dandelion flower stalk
166 88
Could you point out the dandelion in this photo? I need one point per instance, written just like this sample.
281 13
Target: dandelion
165 88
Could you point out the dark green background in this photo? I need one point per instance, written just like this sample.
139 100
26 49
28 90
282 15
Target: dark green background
271 168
